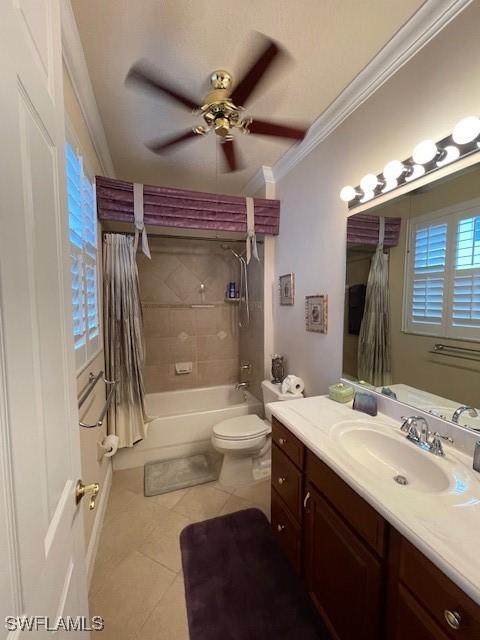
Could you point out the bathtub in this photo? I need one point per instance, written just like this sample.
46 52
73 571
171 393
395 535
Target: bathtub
183 422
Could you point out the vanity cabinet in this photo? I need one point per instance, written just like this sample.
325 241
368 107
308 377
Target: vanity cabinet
366 580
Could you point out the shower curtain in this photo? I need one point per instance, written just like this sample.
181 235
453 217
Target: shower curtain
374 358
124 341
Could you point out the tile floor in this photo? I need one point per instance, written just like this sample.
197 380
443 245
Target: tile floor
137 585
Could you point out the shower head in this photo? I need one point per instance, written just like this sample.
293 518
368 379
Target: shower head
226 247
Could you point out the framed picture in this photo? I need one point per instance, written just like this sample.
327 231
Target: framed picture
316 313
287 289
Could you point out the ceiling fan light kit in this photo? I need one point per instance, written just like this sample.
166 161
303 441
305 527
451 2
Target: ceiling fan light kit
221 108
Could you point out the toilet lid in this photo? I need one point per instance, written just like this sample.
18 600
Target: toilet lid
241 428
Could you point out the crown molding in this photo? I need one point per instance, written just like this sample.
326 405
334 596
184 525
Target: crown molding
263 176
76 65
422 27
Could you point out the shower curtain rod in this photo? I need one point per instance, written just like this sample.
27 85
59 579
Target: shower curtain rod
176 237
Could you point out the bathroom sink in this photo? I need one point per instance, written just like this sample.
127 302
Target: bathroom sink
391 457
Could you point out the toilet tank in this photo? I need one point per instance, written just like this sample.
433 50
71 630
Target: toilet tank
272 392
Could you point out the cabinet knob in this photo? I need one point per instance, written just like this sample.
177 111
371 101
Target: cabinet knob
280 528
282 441
281 480
453 618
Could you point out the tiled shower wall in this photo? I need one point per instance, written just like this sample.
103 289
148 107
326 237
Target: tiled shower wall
177 332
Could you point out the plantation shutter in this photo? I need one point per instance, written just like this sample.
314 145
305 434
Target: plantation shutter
83 257
465 315
428 278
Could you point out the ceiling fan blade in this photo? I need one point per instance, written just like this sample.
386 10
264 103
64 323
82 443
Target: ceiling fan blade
230 154
245 88
165 145
265 128
144 75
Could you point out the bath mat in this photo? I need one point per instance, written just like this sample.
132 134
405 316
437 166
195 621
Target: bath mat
240 586
164 476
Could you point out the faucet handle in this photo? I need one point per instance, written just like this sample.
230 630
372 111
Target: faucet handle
439 435
436 445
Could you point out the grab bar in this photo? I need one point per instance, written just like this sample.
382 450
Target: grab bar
462 352
92 381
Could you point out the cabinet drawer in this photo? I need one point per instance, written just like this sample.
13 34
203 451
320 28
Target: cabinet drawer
359 514
437 593
287 481
287 532
288 443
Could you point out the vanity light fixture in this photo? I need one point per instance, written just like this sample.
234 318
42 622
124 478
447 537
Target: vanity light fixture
427 156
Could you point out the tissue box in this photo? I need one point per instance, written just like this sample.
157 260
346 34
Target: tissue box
340 392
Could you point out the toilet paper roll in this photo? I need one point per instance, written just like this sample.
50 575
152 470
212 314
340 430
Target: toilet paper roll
110 444
293 384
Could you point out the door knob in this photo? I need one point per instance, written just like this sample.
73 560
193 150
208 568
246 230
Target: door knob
87 489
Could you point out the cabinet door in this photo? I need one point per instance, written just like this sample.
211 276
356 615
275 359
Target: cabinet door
412 620
343 577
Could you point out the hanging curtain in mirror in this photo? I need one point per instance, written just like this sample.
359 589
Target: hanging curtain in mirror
374 358
124 340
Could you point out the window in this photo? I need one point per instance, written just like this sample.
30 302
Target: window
83 257
442 288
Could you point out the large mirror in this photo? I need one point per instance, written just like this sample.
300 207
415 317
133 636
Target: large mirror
412 309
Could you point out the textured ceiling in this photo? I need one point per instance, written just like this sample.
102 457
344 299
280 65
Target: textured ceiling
329 41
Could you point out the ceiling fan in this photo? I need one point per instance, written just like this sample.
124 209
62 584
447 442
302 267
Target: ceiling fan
222 107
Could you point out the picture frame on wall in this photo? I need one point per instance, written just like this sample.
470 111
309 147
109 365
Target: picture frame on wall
316 313
287 289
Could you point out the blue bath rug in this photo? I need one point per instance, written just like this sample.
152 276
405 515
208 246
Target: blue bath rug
163 476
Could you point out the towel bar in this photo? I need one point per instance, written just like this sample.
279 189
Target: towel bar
92 381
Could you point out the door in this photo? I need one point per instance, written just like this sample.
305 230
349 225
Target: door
342 575
42 569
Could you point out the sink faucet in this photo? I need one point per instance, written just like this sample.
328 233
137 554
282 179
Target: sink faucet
422 438
472 412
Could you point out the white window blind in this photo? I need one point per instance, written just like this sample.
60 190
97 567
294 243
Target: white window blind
429 274
466 281
83 257
442 289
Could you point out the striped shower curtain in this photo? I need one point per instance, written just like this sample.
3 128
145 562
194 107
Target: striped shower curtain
124 341
374 357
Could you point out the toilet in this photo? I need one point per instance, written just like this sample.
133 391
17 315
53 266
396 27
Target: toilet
245 441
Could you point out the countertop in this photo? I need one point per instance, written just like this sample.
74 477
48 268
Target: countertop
445 526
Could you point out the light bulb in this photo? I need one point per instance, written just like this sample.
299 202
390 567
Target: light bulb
393 170
424 152
416 172
390 184
368 195
466 130
451 153
369 182
348 193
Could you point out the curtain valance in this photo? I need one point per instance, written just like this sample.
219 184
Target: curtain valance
363 229
183 209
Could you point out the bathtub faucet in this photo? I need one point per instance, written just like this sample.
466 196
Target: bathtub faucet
242 385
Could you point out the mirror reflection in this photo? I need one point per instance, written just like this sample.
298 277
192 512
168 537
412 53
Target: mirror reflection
412 298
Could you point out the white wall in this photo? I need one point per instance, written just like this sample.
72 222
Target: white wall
424 99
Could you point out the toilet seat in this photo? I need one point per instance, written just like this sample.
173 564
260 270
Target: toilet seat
241 428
